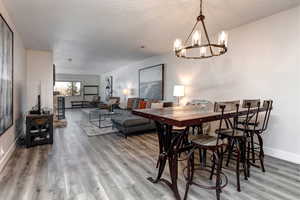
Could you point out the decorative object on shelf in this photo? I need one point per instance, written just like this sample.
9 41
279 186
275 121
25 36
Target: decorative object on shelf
6 75
197 50
37 108
151 82
39 130
178 92
108 87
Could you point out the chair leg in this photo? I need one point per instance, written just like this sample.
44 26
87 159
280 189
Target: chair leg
248 159
200 156
252 148
261 152
190 174
245 165
204 153
238 167
213 167
218 160
231 146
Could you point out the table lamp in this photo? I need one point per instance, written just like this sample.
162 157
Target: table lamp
178 92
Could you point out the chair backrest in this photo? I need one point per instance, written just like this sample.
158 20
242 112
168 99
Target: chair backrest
268 105
248 117
253 103
229 105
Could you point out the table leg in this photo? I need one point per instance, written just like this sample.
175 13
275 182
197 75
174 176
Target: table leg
168 147
99 120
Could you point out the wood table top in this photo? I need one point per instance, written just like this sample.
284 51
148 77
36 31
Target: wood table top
187 115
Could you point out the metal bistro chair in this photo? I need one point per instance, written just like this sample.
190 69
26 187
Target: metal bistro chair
258 132
217 146
237 141
253 103
242 120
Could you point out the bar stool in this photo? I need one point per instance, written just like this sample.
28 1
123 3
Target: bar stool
237 139
258 132
217 147
242 121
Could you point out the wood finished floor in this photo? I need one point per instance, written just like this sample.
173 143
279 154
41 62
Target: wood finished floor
111 167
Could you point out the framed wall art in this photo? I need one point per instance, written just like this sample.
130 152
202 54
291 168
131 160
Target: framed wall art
6 75
151 82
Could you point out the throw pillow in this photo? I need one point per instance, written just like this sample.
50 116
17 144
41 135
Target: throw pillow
142 104
135 104
149 102
157 105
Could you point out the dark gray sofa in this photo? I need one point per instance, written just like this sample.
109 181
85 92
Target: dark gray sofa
128 123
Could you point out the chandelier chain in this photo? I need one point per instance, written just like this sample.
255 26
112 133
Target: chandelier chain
200 7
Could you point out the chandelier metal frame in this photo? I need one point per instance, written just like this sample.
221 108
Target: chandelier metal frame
214 49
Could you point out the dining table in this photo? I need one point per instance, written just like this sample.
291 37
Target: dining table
170 143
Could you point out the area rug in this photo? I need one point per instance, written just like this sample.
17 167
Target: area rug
92 129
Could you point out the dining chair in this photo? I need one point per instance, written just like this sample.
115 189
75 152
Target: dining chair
237 143
258 131
229 106
253 103
216 146
242 120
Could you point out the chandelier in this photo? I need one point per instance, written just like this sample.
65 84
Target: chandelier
195 49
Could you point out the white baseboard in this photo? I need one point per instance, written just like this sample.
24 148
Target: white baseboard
7 155
283 155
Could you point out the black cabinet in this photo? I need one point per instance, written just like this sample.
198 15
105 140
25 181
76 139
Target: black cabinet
39 130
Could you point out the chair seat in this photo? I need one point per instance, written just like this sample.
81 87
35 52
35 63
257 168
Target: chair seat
207 141
229 133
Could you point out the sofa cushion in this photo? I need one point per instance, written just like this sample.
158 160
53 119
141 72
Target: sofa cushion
130 120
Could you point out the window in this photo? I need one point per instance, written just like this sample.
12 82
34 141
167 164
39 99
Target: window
68 88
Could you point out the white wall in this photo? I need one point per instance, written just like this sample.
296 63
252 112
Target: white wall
7 140
262 62
39 77
84 79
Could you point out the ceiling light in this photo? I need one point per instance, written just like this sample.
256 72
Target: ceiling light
206 50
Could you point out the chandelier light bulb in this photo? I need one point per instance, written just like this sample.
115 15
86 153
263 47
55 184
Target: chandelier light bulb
223 38
202 51
183 53
196 40
177 44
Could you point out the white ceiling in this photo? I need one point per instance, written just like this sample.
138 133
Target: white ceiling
100 35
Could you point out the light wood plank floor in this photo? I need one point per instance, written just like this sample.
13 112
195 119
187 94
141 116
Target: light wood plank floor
111 167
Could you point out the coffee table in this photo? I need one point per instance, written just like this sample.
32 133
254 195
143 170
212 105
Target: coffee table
100 115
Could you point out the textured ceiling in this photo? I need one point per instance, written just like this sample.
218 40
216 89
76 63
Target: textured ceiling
100 35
